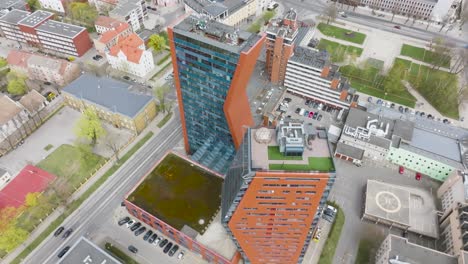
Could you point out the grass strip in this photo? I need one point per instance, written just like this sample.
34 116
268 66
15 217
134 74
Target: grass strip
164 59
119 254
165 119
328 251
341 33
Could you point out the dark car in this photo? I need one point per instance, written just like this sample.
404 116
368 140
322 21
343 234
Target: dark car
140 231
297 110
98 56
135 226
168 247
397 27
63 252
392 105
287 100
132 249
406 109
319 118
126 78
147 235
47 83
307 102
163 243
401 109
67 233
122 204
152 238
123 220
59 231
315 116
173 250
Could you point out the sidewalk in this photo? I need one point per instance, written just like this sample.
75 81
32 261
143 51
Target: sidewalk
59 210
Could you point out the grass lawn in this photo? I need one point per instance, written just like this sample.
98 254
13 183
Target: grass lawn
65 162
315 164
328 251
421 54
179 193
166 118
76 203
365 250
337 50
275 154
341 33
119 254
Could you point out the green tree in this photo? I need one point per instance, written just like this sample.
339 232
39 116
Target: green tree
157 42
12 237
34 5
85 150
31 199
89 126
392 83
160 94
83 12
268 15
3 62
164 35
17 87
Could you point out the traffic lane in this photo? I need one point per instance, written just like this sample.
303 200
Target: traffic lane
115 187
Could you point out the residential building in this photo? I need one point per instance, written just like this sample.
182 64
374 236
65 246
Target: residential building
165 3
309 73
38 29
131 11
418 144
229 12
193 219
130 55
109 38
5 177
104 24
12 117
43 68
55 5
271 203
86 252
8 5
113 101
280 39
212 65
33 102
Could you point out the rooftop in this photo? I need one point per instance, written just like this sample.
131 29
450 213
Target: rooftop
108 22
217 34
111 94
350 151
84 251
408 252
215 8
11 3
59 28
123 8
8 109
32 101
282 27
180 193
309 57
36 18
14 16
411 207
130 47
18 58
114 32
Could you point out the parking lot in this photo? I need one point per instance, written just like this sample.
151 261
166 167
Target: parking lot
122 237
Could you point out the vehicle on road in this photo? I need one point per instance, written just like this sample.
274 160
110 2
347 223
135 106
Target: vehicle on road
123 220
67 233
122 203
152 238
401 170
135 226
130 223
59 231
173 250
63 251
163 243
317 234
418 176
181 255
140 231
126 78
132 249
147 235
397 27
168 247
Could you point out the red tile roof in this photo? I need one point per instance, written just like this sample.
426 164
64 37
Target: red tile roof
30 179
130 48
18 58
111 34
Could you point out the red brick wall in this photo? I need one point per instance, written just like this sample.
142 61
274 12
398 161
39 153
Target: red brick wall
82 43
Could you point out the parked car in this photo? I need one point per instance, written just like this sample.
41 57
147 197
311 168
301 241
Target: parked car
173 250
168 247
158 239
306 113
130 223
369 99
311 114
140 231
392 105
446 121
401 109
163 243
287 100
181 255
63 251
47 83
297 110
148 235
418 176
307 102
397 27
406 109
67 233
122 203
132 249
152 238
126 78
379 101
319 117
401 170
315 116
135 226
59 231
123 220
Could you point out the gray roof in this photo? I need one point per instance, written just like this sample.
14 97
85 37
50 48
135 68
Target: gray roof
408 252
85 251
2 171
215 8
59 28
403 129
380 141
309 57
437 144
35 18
350 151
5 4
14 16
108 93
123 8
359 118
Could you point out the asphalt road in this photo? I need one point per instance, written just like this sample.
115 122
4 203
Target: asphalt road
98 208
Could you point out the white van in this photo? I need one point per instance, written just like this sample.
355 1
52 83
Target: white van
301 113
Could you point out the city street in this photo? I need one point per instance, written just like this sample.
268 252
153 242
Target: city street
99 207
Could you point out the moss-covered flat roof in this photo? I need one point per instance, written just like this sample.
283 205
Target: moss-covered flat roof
179 193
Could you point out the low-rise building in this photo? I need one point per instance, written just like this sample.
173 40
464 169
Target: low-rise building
131 11
43 68
110 36
112 100
12 117
55 5
5 177
86 252
229 12
33 102
104 24
8 5
130 55
9 24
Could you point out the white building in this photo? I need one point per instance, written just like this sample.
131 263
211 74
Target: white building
131 11
229 12
56 5
129 55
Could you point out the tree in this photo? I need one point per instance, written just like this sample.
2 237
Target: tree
3 62
331 13
268 15
17 87
7 216
31 199
461 61
164 35
157 42
440 52
112 142
392 83
85 150
89 126
160 94
444 22
34 5
83 12
12 237
395 9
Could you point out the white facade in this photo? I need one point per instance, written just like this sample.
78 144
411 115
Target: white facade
56 5
240 15
121 63
132 12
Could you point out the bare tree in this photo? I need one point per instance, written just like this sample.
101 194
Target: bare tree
462 94
395 10
331 13
112 142
444 22
441 49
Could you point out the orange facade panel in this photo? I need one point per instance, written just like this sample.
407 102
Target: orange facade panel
325 72
236 106
334 84
273 219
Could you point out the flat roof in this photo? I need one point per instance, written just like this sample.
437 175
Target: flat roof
35 18
437 144
407 206
350 151
59 28
311 58
408 252
84 251
109 93
180 193
8 109
14 16
123 8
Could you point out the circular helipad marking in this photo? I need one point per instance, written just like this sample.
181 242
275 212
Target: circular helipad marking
388 202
